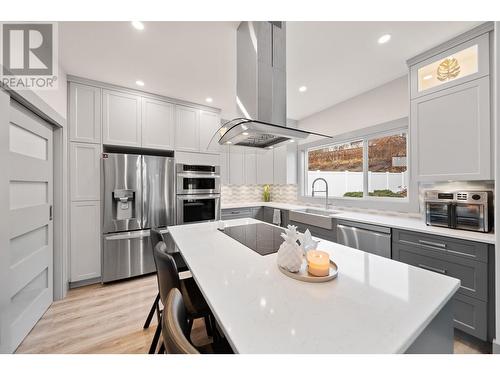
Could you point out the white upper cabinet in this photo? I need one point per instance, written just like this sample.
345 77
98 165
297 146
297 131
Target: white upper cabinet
158 124
265 166
121 118
209 124
84 113
451 133
250 166
279 160
236 165
85 171
465 62
450 119
187 129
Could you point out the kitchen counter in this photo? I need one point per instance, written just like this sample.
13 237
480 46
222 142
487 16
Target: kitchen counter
375 305
397 221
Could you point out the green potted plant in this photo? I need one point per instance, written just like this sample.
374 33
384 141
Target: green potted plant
267 193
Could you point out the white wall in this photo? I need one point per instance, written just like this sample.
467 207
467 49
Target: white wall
57 99
384 103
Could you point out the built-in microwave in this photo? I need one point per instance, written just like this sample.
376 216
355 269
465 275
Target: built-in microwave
198 179
198 193
467 210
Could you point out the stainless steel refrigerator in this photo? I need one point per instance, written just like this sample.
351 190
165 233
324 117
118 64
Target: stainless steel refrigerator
138 193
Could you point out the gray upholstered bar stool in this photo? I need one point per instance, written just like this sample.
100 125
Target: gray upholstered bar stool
168 278
176 330
155 237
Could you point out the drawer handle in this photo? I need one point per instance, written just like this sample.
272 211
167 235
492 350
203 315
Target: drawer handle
430 243
235 212
429 268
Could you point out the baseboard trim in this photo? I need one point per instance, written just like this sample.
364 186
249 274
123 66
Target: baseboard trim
77 284
495 347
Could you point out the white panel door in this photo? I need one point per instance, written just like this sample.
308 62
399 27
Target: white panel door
84 113
85 241
85 171
209 124
236 165
250 167
121 120
451 133
28 251
158 124
187 129
265 166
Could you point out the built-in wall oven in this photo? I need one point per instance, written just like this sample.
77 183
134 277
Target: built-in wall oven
198 193
467 210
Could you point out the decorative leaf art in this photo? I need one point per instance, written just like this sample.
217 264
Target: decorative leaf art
448 69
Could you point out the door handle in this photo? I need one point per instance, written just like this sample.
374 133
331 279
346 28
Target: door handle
429 268
50 213
431 243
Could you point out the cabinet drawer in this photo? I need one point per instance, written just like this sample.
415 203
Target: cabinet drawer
470 316
473 275
443 245
237 213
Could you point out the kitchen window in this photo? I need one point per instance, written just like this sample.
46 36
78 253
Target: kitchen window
373 166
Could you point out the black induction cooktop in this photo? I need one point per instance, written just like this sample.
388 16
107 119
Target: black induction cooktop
262 238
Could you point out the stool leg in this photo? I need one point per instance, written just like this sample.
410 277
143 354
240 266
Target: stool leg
208 325
156 337
152 311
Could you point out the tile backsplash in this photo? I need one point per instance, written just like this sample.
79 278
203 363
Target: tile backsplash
253 193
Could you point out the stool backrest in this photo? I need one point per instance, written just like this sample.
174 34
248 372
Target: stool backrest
168 277
175 327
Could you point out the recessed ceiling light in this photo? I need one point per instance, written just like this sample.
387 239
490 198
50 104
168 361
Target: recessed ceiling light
245 133
292 140
229 142
302 88
138 25
429 76
270 147
139 83
384 38
209 100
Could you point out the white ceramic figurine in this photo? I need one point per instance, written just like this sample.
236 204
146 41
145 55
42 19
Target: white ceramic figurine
290 253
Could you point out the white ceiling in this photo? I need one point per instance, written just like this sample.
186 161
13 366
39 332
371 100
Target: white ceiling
339 60
195 60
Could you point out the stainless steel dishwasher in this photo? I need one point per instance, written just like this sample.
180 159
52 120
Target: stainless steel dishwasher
370 238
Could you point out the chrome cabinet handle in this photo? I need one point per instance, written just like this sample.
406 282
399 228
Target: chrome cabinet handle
429 268
430 243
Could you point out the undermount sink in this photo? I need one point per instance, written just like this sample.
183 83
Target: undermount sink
314 216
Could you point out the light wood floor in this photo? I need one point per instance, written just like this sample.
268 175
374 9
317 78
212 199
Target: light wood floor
109 319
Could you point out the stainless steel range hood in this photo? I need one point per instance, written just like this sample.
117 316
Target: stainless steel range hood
261 89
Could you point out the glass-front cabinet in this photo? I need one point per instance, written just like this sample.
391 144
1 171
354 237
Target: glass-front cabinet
465 62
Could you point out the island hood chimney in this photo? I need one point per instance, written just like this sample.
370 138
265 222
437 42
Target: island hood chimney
260 89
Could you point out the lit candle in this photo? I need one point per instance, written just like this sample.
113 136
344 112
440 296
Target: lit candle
318 263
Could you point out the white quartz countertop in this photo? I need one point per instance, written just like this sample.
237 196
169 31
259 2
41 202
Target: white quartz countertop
375 305
399 221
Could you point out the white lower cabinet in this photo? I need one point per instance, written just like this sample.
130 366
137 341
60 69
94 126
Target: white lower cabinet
84 171
85 241
265 166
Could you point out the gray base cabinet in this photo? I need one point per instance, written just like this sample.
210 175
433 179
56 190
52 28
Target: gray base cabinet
467 261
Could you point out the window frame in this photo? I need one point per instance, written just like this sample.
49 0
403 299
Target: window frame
407 204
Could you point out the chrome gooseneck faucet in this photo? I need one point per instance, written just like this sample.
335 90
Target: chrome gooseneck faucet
321 191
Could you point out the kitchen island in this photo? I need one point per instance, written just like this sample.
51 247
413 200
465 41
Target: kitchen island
375 305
